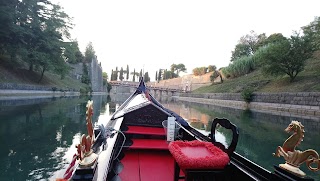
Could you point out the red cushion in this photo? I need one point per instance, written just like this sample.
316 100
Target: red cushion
198 155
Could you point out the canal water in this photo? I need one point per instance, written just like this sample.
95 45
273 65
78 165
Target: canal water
38 135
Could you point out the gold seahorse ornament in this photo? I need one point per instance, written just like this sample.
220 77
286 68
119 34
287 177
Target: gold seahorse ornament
294 158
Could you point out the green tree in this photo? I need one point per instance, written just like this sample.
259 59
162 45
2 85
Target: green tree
215 74
178 68
169 75
116 74
173 67
61 68
165 77
253 41
105 81
71 52
240 51
121 74
274 38
181 68
248 45
146 77
287 56
109 86
199 71
260 41
89 53
45 25
159 75
127 72
33 30
105 78
85 74
48 52
111 78
211 68
10 31
312 32
156 76
133 75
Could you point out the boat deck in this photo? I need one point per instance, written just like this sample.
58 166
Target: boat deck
146 156
146 165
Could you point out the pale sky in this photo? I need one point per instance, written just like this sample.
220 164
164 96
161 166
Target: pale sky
154 34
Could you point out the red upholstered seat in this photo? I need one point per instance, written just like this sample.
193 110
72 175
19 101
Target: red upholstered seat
203 160
198 155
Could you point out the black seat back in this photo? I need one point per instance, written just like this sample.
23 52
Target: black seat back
228 125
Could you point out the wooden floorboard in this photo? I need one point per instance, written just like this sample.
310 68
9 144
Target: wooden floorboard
130 171
156 166
147 165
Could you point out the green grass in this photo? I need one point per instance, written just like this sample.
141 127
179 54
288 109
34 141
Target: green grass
20 75
306 81
66 83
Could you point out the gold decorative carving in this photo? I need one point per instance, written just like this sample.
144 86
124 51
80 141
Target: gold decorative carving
294 158
89 114
84 151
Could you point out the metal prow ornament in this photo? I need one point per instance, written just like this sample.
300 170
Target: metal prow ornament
294 158
85 153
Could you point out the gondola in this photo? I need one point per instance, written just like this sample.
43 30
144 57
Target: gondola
144 141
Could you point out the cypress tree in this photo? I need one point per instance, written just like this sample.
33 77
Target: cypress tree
121 74
134 75
116 74
127 72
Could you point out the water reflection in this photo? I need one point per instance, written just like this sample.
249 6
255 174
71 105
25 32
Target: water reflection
38 137
260 133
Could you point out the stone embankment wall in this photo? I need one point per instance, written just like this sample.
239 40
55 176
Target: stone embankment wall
299 98
13 86
121 90
276 119
301 103
186 82
12 89
30 94
95 74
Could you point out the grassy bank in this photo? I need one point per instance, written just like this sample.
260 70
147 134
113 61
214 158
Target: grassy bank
306 81
23 76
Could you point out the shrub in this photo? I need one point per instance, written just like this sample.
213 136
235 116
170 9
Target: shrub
109 86
247 94
199 71
86 90
214 75
239 67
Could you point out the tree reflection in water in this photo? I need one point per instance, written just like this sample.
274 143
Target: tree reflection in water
38 136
